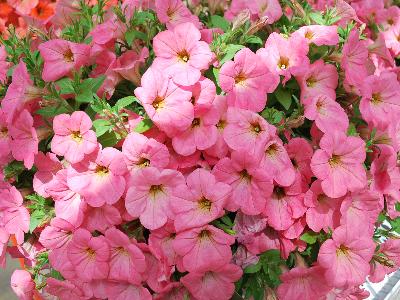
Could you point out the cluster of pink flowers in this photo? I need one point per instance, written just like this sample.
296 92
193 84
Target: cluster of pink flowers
182 210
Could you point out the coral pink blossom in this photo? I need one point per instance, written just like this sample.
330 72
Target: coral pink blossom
391 37
246 80
247 130
150 194
267 10
323 212
181 54
200 202
4 64
339 164
251 185
300 153
47 167
203 95
4 237
124 291
302 283
217 284
89 255
384 170
140 152
61 57
203 248
100 178
127 260
319 34
161 244
128 65
23 7
101 218
73 137
57 234
283 56
167 105
389 252
64 289
346 257
275 160
318 79
22 284
14 217
174 12
327 113
379 105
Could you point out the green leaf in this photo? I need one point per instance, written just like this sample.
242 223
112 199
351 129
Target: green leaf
230 52
216 73
52 111
352 130
284 97
66 85
102 126
220 22
317 17
252 39
108 139
36 219
143 125
227 221
84 93
124 102
397 206
309 237
272 115
13 169
133 34
253 268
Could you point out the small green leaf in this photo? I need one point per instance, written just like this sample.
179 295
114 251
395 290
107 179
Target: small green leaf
317 17
252 39
66 85
352 130
52 111
253 268
220 22
102 126
230 52
309 237
124 102
272 115
284 97
108 139
143 126
132 34
36 219
13 169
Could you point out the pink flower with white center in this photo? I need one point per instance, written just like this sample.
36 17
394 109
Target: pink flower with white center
166 104
101 218
181 54
285 57
318 79
150 194
22 284
73 137
251 185
216 284
61 57
323 212
203 248
199 202
275 160
68 204
380 104
327 113
161 244
89 255
121 291
14 217
360 211
201 135
339 164
283 207
354 60
246 80
303 283
24 144
346 257
100 178
20 93
127 261
141 152
319 34
47 166
245 129
174 12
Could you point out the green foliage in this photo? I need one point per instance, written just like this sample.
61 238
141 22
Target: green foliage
220 22
13 170
41 211
143 126
272 115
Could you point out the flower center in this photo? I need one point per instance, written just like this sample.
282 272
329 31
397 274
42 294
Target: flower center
376 98
272 150
342 250
309 34
90 252
204 234
3 132
204 204
76 136
311 81
195 122
244 175
335 161
390 21
183 56
143 162
283 63
255 128
69 56
101 170
221 124
156 189
158 103
279 192
240 79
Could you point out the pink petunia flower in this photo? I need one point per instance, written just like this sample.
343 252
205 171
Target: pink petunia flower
128 65
121 291
247 130
267 10
246 80
181 54
283 56
100 178
22 284
339 164
203 248
389 254
200 202
150 194
161 245
391 37
101 218
346 257
4 238
73 137
89 255
47 166
23 7
4 64
203 95
380 105
127 261
251 185
327 113
64 289
384 170
217 284
174 12
61 57
167 105
319 34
